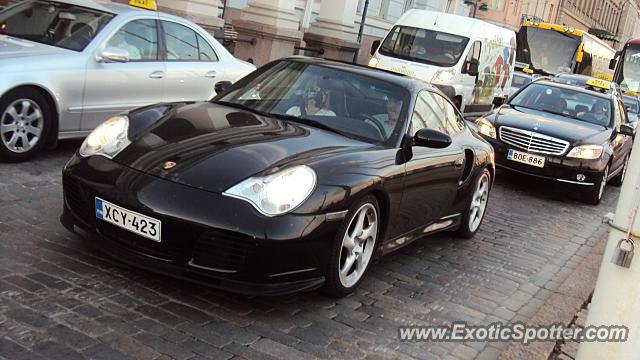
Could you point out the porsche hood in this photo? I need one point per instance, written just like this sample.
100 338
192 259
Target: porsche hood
213 147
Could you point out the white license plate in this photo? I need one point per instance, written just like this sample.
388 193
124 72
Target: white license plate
128 220
525 158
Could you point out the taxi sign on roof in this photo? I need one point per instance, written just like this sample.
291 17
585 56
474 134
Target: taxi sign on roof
144 4
630 92
599 83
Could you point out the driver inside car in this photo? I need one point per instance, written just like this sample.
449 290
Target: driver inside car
390 119
315 100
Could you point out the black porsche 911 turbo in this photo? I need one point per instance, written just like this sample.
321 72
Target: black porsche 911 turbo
294 178
578 135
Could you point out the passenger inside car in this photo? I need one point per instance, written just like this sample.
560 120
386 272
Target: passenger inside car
315 101
120 41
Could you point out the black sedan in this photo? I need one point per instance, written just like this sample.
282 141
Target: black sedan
574 135
294 178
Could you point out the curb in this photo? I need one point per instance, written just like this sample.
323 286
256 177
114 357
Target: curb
562 305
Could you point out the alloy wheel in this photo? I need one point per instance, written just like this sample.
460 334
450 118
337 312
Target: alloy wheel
21 125
358 245
479 203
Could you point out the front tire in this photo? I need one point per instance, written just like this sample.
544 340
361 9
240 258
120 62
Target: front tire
353 248
619 179
593 195
25 124
475 210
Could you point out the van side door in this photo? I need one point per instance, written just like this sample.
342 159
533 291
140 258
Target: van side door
471 84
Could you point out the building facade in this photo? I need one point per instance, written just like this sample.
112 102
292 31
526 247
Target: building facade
608 18
510 13
263 30
616 17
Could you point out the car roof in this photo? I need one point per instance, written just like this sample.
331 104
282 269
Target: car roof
550 82
401 80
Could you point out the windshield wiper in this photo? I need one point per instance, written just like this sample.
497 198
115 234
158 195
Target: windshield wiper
311 122
243 107
285 117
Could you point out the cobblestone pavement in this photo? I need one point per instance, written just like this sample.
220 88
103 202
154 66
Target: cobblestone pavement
61 299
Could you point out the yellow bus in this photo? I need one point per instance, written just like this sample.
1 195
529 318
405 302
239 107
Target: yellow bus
550 49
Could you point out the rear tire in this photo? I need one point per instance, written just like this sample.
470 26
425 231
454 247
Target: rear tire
353 248
25 124
593 195
477 206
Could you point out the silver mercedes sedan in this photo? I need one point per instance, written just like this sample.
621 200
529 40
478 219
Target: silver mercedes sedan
66 66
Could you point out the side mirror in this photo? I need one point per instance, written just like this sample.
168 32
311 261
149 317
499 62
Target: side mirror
472 67
612 64
627 130
431 139
114 54
374 46
221 86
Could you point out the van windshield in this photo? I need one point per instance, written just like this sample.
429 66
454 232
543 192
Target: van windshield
422 45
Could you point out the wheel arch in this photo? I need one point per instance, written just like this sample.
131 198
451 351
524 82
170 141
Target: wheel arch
51 101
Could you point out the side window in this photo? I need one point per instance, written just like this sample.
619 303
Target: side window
139 38
182 44
474 52
432 111
206 51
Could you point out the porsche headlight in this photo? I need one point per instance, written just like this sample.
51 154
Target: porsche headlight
444 76
587 152
486 128
279 193
108 139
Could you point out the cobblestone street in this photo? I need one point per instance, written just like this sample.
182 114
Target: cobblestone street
62 299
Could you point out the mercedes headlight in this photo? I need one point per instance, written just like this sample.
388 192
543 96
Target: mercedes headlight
108 139
486 128
374 62
587 152
278 193
444 76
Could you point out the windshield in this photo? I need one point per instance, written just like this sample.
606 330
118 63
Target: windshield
63 25
427 46
630 72
571 103
631 104
353 105
519 81
546 51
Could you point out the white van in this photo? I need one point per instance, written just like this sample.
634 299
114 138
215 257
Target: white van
470 60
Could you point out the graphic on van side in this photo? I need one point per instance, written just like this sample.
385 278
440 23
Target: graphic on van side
497 75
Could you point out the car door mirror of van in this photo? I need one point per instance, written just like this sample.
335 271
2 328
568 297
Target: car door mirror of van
374 46
472 67
612 64
221 86
432 139
114 54
627 130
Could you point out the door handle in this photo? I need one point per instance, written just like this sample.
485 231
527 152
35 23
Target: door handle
157 75
211 74
459 162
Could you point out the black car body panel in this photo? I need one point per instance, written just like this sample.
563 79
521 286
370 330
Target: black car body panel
225 242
